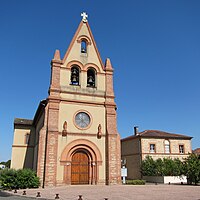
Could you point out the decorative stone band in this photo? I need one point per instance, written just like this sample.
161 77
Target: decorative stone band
22 146
56 63
83 134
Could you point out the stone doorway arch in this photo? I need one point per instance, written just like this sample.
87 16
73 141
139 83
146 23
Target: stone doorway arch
71 159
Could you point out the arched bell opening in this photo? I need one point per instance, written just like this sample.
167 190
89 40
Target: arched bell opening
91 77
83 46
75 75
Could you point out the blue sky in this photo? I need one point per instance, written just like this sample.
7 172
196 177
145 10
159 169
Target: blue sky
154 47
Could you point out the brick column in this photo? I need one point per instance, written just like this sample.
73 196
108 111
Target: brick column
52 143
52 122
113 151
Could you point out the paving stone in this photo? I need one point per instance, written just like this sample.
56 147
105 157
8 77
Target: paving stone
117 192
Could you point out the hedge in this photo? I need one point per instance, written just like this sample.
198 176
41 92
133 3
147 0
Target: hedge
135 182
18 179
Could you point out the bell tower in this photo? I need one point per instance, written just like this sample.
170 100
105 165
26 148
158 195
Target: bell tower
81 144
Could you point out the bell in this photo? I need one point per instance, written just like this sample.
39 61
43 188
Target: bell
74 71
83 50
74 79
90 79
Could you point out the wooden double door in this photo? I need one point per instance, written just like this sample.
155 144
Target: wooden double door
80 168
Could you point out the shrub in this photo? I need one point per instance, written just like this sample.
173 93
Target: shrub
26 178
15 179
135 182
8 178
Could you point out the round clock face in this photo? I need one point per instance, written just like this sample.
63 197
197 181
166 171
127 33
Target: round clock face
82 120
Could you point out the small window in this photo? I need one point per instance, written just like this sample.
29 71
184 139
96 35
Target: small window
27 136
181 149
91 78
83 46
75 76
167 146
152 148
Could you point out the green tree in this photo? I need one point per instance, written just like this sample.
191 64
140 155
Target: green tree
192 168
161 167
7 163
178 167
148 167
172 167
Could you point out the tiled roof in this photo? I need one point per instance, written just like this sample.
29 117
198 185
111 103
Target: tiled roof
157 134
20 121
162 134
197 151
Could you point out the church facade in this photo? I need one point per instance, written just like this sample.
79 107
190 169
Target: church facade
73 138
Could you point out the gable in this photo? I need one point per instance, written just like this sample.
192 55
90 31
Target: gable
74 54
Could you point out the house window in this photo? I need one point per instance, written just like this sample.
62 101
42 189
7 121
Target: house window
75 75
83 46
167 146
181 149
152 148
91 78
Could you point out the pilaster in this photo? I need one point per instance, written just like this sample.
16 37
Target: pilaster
52 143
51 156
113 155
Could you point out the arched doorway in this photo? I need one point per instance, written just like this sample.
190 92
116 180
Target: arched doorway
80 168
73 155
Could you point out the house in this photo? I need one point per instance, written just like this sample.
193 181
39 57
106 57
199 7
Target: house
196 151
73 138
154 143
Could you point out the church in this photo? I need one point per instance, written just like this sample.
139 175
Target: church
73 137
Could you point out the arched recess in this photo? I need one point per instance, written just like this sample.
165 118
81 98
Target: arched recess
92 65
74 62
85 41
94 156
85 38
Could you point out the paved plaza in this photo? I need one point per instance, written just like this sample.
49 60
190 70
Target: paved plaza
118 192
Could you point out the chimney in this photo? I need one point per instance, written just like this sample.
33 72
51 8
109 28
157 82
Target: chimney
136 130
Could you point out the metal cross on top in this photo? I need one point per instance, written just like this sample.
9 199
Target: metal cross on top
85 16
